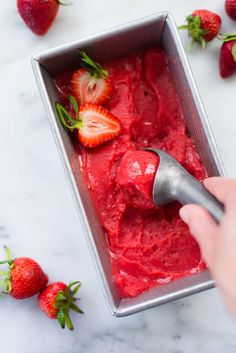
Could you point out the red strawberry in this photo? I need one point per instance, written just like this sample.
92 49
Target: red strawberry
202 26
38 14
227 62
95 124
230 8
57 300
98 126
24 278
91 84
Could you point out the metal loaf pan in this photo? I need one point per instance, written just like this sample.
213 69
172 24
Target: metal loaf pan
122 40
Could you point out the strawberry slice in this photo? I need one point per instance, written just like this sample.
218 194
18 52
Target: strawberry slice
99 125
94 123
91 83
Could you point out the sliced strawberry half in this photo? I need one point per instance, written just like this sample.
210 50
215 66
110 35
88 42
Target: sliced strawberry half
94 123
91 83
98 126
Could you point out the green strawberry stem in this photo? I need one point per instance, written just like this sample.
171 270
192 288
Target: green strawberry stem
64 3
8 255
226 37
194 30
95 69
5 275
74 104
65 301
65 117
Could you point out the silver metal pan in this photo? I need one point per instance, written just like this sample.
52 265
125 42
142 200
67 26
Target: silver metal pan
122 40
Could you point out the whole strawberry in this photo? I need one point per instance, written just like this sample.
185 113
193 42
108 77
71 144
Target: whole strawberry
38 14
57 300
227 62
23 278
202 26
230 8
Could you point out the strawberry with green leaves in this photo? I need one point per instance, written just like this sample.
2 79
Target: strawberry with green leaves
95 124
23 277
57 300
202 26
227 61
91 83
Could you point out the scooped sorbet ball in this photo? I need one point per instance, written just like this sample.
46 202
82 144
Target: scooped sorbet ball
135 176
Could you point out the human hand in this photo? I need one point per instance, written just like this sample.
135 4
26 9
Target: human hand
217 242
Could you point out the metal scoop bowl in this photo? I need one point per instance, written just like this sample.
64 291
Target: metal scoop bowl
173 182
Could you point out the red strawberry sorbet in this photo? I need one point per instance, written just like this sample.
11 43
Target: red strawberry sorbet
149 246
135 176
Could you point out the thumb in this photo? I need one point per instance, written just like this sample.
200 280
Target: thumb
203 228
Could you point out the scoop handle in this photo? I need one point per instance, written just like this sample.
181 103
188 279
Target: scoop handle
190 190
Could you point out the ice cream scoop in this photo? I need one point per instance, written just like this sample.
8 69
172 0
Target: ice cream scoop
173 182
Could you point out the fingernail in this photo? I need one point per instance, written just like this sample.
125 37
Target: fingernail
184 215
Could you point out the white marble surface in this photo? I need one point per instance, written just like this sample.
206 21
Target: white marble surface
37 214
